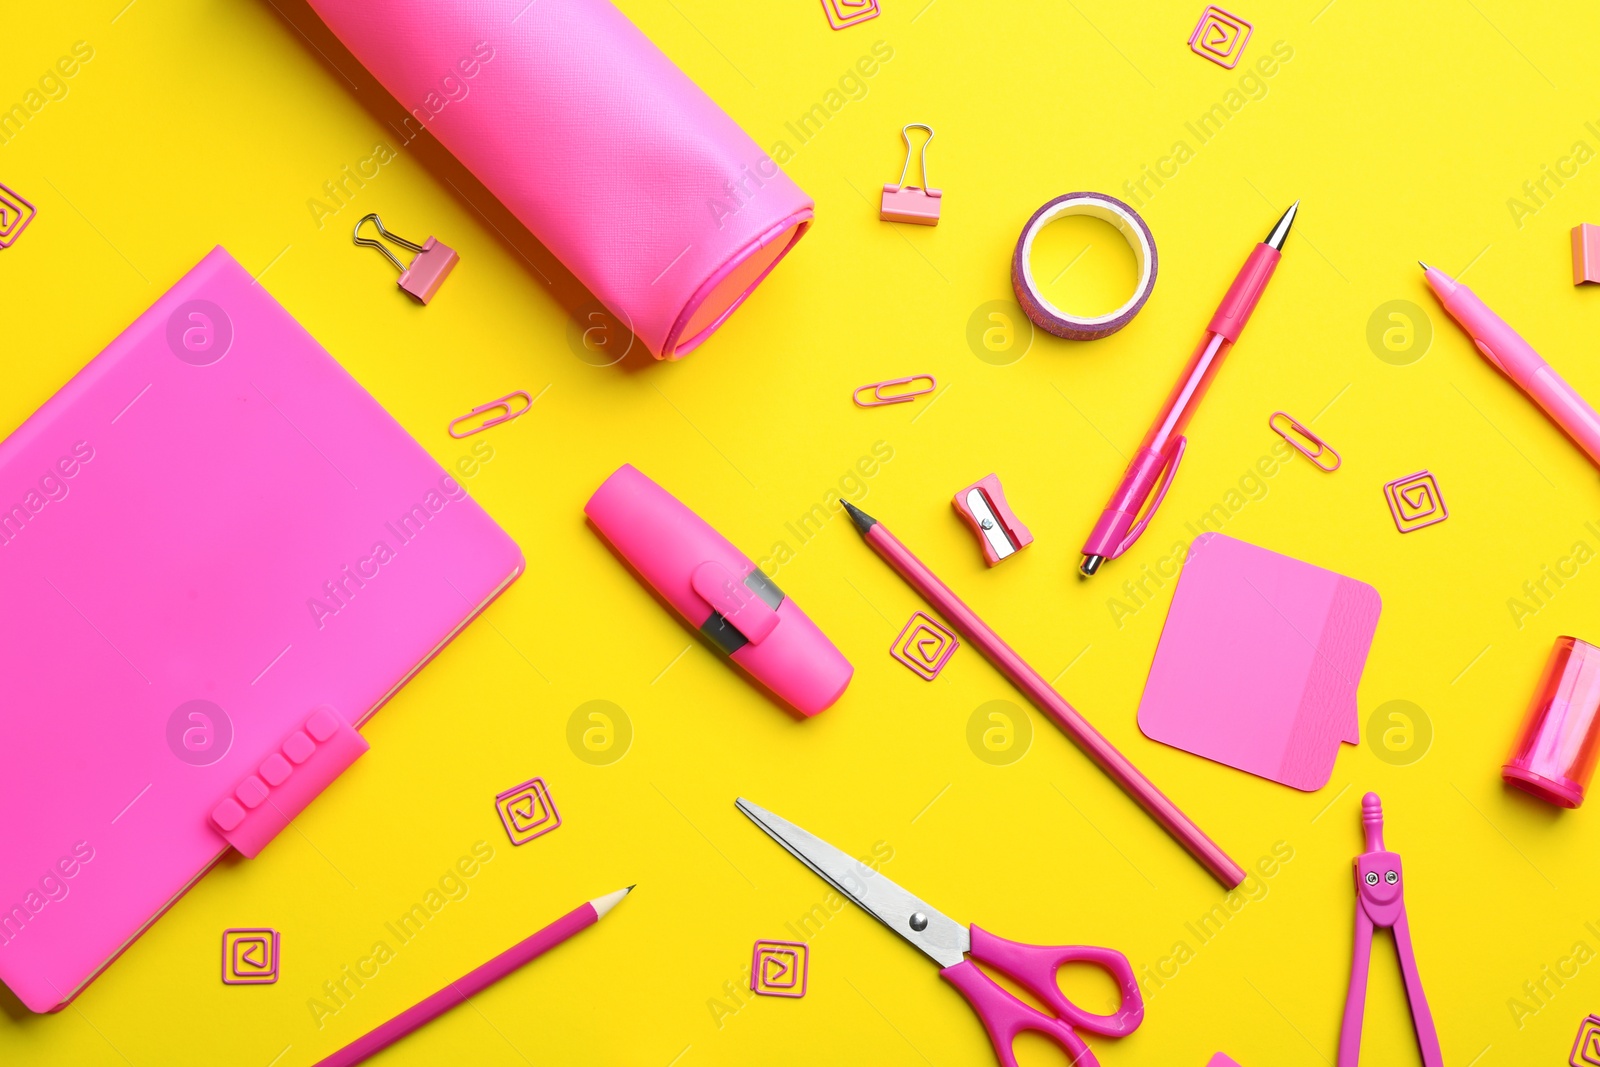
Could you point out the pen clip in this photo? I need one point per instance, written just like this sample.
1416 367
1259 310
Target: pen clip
1167 473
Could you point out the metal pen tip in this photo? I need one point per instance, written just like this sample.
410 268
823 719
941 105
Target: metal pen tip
1423 265
1089 565
1280 232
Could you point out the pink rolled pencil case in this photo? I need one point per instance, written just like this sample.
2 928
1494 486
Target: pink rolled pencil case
631 175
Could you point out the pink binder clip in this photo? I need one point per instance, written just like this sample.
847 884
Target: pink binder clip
433 263
909 203
983 505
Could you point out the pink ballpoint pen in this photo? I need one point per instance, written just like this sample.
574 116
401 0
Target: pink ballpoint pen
1153 466
1505 348
1380 901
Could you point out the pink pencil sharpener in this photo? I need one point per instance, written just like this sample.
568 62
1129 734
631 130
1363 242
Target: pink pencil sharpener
1555 753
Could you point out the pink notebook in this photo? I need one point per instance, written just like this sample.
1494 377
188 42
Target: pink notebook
1259 661
218 555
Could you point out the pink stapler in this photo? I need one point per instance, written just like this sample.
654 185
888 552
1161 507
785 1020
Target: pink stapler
1380 901
718 591
909 203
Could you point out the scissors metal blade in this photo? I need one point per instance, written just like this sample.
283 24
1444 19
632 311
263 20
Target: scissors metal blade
940 937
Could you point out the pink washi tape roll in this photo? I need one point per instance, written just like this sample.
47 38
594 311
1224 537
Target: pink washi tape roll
631 175
1052 319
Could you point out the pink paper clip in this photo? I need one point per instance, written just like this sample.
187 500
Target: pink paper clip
1586 1049
502 403
433 263
1415 501
15 214
879 399
779 969
842 14
910 203
250 956
1220 36
1323 448
527 811
924 646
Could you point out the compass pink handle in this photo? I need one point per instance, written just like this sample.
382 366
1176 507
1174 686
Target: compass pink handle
1372 821
1034 968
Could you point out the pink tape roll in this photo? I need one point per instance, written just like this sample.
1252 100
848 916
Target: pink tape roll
635 179
1052 319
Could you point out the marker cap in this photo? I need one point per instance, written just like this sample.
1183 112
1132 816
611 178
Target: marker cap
1555 753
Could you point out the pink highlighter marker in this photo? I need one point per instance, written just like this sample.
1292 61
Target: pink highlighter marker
718 591
1121 524
1505 348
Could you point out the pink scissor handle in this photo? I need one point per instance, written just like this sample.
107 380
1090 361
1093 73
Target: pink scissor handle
1034 968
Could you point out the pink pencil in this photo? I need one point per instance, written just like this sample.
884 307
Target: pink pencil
476 981
1025 678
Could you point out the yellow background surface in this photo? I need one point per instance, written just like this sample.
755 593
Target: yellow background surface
1404 129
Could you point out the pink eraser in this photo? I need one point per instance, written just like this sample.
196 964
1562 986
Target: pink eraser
717 590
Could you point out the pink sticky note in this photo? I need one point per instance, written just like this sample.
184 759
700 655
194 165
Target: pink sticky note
1259 661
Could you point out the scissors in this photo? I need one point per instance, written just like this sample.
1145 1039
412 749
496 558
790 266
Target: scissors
959 949
1381 901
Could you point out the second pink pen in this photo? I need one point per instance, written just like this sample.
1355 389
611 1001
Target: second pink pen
1150 472
1516 359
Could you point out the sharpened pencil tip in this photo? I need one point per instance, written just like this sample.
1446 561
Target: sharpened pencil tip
603 905
863 521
